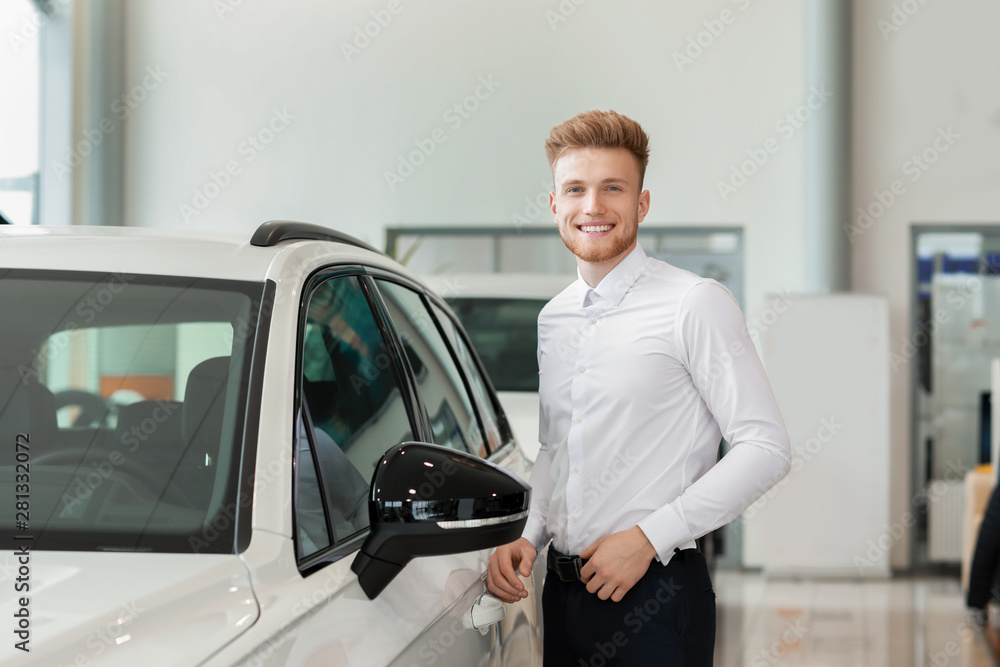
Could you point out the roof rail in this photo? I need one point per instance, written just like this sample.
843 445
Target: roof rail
273 232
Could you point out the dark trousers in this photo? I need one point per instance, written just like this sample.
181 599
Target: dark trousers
667 619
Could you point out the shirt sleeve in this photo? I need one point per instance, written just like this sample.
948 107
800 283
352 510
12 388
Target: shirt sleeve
715 346
535 530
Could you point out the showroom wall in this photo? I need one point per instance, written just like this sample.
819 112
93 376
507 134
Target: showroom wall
372 114
345 113
927 119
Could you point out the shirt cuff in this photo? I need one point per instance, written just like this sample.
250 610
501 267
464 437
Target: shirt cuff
534 531
666 530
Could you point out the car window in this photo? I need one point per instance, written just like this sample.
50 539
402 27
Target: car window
487 410
442 387
351 411
505 333
131 392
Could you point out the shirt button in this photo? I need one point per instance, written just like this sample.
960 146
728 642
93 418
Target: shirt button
576 468
579 419
581 369
575 518
592 321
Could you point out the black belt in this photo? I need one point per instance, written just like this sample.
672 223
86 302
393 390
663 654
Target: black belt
567 568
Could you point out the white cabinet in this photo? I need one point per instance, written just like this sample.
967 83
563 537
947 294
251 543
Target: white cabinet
827 360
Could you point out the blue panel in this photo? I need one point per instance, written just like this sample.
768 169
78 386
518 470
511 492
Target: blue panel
925 269
961 264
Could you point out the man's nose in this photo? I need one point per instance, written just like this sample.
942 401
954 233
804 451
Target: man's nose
594 203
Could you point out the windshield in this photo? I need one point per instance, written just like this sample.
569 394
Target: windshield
505 334
122 399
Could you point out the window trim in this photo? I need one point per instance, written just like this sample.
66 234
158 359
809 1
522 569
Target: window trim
418 420
429 298
246 474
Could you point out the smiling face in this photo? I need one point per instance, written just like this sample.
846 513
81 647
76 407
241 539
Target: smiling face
597 205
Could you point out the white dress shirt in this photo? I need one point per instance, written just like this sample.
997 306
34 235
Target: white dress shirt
640 378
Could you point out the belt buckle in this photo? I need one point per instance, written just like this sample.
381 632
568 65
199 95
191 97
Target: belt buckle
575 564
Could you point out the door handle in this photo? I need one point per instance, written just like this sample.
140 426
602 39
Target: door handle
486 611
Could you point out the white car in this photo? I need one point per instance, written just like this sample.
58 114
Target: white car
303 464
500 314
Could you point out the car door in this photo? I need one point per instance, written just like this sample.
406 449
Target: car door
433 338
366 380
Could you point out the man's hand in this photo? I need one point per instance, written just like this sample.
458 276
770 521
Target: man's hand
616 563
505 563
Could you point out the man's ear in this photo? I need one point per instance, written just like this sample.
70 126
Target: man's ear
552 205
643 205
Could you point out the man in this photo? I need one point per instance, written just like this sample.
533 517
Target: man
643 368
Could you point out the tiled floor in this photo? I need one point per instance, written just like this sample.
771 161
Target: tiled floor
908 622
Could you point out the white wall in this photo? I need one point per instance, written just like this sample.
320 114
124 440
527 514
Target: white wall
938 70
225 72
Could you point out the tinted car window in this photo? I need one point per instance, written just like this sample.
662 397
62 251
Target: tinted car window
130 392
441 385
505 333
352 412
487 411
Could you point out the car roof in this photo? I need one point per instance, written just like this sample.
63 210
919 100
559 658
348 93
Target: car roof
499 285
196 253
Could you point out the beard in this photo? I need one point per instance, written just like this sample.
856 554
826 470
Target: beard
608 248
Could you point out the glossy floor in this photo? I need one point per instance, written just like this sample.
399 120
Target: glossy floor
902 621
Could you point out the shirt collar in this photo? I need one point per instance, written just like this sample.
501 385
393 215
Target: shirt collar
613 286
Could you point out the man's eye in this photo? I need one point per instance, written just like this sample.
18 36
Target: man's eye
575 190
614 187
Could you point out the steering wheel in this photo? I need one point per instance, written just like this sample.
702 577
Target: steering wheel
143 472
94 409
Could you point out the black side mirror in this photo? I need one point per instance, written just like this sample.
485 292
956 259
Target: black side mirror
428 500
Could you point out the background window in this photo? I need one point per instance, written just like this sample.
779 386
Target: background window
20 23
